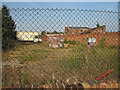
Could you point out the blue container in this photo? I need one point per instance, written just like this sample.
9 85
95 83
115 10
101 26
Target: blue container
32 42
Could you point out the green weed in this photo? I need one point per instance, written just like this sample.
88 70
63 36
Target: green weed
25 79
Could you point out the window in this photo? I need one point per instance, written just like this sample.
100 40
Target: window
102 29
36 36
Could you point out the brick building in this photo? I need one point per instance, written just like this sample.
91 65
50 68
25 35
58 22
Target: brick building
99 33
75 30
84 30
101 29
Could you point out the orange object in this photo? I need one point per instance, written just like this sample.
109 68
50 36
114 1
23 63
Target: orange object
103 75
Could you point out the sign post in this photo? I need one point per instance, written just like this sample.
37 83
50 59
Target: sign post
90 43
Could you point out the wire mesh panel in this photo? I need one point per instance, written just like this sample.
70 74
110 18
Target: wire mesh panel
0 50
61 46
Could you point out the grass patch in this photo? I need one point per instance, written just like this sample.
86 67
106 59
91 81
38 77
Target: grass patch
33 55
69 41
39 50
100 60
76 60
25 79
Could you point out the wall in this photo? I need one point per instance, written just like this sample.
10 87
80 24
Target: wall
101 29
75 31
111 38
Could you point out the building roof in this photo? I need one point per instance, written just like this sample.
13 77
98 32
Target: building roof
53 34
92 29
78 27
26 32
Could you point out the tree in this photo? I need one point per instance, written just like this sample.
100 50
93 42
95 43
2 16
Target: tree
48 32
42 33
8 28
98 25
55 32
0 28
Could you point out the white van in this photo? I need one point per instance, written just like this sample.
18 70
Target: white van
28 36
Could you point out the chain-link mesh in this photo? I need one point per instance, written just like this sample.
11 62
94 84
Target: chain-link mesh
0 49
62 46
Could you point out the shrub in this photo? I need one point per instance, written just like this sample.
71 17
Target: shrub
102 43
65 41
71 42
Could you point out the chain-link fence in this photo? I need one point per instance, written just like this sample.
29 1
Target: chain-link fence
0 50
61 46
